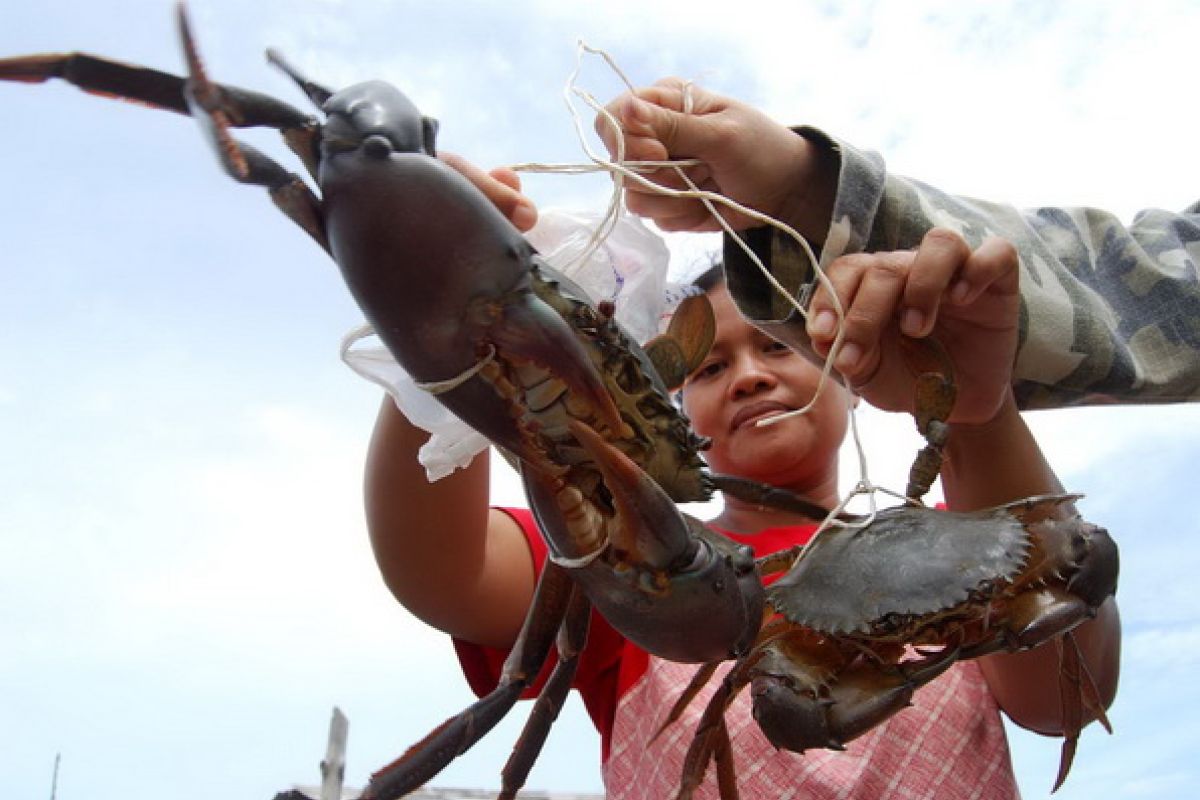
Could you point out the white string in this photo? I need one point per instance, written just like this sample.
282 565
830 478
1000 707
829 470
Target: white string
581 561
623 171
441 387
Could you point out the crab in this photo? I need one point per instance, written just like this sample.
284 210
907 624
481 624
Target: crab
870 610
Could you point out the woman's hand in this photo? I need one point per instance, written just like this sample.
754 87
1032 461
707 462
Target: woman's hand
502 186
745 155
967 300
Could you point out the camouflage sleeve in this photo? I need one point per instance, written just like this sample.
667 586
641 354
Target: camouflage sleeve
1110 312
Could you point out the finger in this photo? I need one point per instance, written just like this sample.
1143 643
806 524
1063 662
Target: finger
638 146
938 260
506 176
994 265
870 311
656 114
670 178
824 317
501 190
625 120
684 96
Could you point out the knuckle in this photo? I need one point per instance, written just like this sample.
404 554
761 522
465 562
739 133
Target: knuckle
639 203
858 321
890 269
1005 252
726 132
946 239
670 82
847 265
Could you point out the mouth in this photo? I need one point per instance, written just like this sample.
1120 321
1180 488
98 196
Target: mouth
753 413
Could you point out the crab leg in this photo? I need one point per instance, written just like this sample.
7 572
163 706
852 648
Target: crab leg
100 76
766 495
1079 693
572 635
216 110
936 394
711 732
699 680
455 736
797 712
105 77
219 107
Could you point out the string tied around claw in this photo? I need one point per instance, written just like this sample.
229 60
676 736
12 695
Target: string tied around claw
441 387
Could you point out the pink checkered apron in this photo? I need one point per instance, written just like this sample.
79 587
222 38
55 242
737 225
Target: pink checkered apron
949 744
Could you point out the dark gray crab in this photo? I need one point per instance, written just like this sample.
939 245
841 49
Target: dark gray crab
835 661
866 614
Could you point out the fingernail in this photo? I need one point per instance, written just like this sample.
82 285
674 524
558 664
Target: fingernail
823 323
913 322
959 292
848 358
524 217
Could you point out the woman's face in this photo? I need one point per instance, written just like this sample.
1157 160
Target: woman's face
749 376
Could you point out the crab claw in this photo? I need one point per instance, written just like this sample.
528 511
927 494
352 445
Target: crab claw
650 530
796 716
533 331
663 580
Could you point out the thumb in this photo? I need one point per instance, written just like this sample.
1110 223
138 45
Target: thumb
684 117
681 135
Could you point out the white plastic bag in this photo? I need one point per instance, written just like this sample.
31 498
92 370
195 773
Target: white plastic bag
629 268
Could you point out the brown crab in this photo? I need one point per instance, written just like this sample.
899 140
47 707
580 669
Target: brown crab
835 656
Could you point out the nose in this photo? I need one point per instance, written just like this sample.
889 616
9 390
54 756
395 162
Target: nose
750 376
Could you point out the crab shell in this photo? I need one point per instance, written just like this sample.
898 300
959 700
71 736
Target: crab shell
662 442
912 567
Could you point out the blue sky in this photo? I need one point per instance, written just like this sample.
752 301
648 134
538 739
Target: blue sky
185 583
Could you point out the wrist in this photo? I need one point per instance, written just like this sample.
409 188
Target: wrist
1006 412
987 435
812 185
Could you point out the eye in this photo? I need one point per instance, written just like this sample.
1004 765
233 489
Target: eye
775 346
709 370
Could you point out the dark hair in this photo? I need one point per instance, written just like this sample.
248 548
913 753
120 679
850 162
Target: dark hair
712 277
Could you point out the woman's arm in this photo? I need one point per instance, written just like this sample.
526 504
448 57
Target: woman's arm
967 301
989 464
447 557
1105 302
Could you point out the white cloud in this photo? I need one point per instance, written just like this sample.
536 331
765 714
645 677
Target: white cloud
176 561
1166 651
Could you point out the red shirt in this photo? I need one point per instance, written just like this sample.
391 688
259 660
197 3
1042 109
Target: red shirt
950 744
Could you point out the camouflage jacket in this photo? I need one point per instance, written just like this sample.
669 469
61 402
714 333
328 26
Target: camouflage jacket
1110 313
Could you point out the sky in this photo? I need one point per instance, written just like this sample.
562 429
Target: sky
186 587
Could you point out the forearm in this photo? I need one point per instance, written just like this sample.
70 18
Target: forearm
443 553
994 463
1083 272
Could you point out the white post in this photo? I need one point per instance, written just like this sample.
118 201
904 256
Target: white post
333 768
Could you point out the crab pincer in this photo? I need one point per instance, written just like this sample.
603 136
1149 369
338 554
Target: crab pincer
656 570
